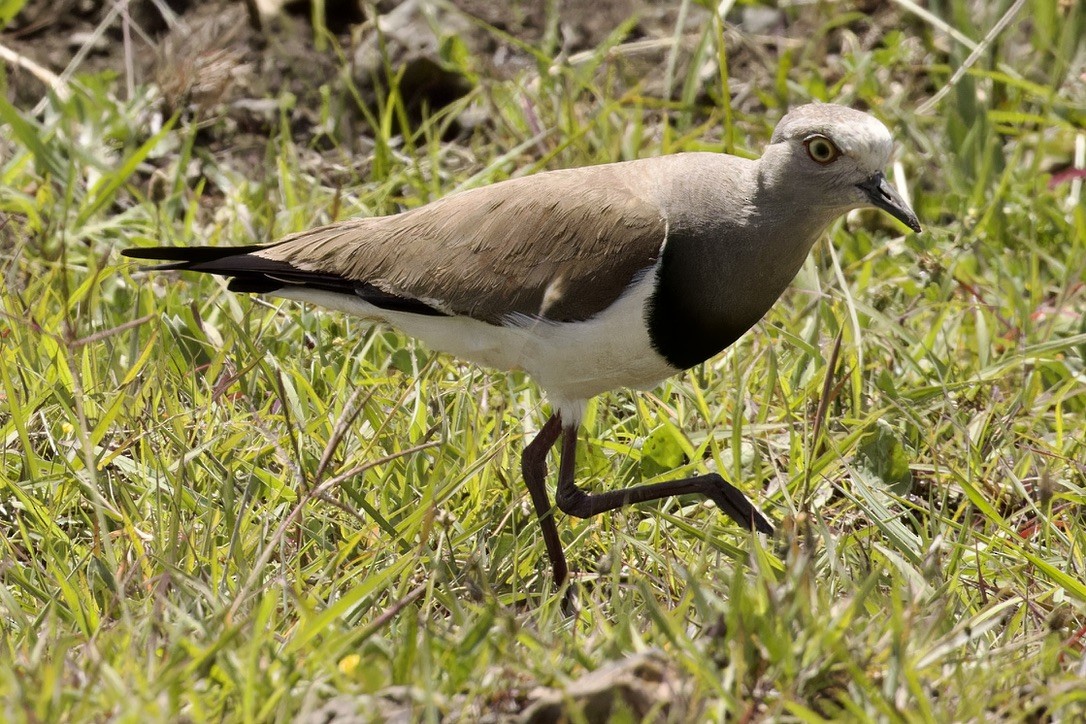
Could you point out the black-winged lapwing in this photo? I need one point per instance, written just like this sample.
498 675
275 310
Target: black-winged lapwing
589 279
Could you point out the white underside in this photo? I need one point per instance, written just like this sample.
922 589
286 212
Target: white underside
571 361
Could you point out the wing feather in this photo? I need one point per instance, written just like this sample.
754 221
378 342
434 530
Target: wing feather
562 246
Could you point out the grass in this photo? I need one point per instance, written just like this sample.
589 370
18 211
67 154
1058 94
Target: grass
215 507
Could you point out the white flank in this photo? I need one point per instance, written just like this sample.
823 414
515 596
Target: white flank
572 361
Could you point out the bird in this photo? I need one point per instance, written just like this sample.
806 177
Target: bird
617 275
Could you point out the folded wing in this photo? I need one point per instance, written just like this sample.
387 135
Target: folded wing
561 246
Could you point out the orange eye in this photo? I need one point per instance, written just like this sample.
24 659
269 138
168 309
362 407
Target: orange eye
821 150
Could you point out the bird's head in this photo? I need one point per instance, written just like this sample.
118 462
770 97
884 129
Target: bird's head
835 157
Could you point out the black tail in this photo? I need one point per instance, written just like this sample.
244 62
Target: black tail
259 275
249 273
185 257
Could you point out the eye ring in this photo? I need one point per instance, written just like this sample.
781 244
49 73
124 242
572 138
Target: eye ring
821 150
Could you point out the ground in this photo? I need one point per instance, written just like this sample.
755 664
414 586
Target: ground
215 507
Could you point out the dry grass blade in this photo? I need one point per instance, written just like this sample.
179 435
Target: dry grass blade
982 47
49 79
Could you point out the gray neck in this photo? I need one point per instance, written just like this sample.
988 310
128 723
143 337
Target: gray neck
732 249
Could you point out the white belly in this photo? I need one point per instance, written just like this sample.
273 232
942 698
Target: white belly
572 361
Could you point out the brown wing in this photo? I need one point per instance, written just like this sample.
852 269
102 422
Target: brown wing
562 245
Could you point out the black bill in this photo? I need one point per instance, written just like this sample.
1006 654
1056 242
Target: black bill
884 196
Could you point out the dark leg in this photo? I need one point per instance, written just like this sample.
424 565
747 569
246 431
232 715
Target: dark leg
533 464
574 501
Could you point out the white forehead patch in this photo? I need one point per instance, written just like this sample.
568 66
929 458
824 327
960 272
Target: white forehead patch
857 134
864 138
